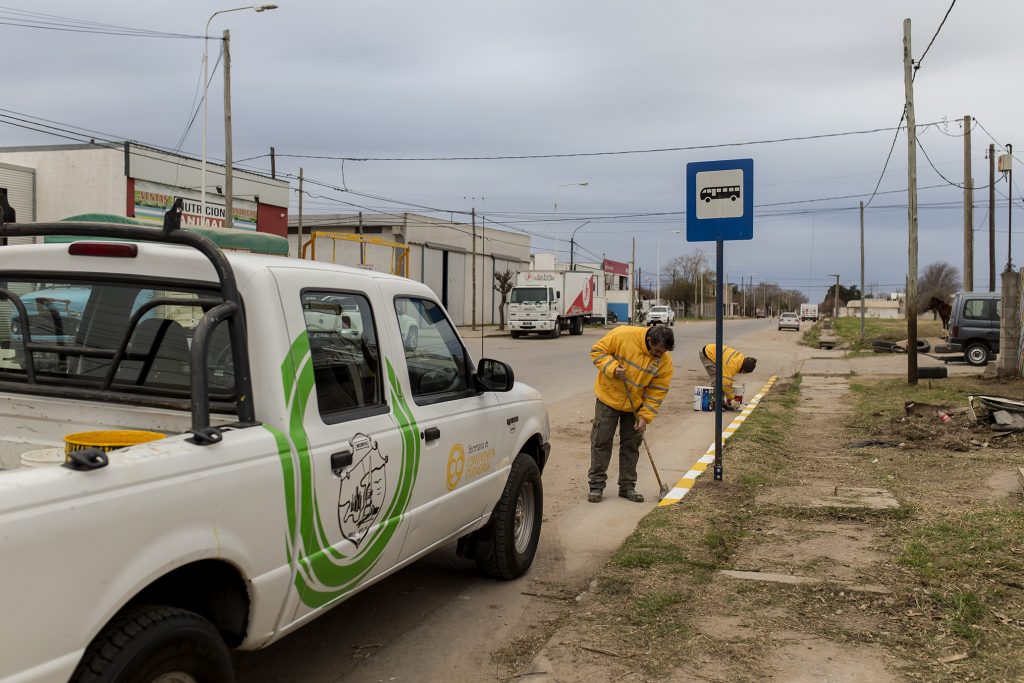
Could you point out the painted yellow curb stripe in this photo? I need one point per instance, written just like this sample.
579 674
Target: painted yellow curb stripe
684 485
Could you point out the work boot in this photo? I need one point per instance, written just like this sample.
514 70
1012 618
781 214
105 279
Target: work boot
594 496
632 495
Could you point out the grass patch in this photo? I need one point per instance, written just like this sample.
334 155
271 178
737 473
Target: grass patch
848 330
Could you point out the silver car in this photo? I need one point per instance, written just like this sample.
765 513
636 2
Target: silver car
789 321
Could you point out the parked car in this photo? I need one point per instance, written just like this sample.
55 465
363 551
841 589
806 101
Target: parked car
661 314
974 326
789 321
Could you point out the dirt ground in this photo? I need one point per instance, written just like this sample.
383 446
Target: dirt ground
820 557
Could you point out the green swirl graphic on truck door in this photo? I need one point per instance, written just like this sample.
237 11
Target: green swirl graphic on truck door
324 573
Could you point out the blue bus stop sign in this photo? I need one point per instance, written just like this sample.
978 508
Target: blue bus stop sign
720 200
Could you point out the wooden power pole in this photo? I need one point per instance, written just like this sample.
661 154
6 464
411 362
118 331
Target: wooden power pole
472 255
968 210
298 252
908 84
863 301
991 218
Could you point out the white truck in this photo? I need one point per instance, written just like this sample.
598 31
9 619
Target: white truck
550 301
809 312
303 457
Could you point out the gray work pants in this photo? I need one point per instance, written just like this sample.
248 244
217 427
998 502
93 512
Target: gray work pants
605 421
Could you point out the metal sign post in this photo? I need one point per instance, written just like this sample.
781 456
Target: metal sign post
719 207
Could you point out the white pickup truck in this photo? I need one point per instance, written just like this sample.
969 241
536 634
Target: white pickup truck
300 463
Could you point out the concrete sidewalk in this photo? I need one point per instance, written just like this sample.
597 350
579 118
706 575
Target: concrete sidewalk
829 363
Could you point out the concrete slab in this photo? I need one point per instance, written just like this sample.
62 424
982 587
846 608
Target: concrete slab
814 495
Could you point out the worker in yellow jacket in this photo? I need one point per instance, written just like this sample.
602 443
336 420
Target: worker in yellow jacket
734 363
634 369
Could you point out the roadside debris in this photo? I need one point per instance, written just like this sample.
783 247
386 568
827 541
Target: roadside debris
867 443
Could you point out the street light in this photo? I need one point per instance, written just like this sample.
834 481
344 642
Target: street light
206 78
835 298
657 296
583 184
572 247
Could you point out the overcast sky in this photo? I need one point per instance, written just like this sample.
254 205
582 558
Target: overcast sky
396 78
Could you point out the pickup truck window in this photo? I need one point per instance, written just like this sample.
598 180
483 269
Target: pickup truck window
438 365
155 350
346 360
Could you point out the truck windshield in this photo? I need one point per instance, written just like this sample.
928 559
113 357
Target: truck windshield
93 322
529 295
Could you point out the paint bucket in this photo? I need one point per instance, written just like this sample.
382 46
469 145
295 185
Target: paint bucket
42 457
703 398
738 391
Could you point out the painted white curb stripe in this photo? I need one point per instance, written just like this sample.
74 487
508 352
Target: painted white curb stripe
683 486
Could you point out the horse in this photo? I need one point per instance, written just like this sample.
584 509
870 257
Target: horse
937 305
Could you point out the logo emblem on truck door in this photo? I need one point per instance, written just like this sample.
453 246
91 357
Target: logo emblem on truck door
456 464
363 489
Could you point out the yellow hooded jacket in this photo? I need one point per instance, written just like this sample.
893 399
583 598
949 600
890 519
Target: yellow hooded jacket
647 378
730 368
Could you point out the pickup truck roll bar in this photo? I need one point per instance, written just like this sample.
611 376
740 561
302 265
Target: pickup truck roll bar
230 310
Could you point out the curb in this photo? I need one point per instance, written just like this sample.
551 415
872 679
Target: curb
683 486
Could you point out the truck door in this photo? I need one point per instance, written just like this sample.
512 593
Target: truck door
353 463
462 464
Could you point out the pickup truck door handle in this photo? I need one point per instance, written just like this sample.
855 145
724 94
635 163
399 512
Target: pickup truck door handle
431 433
341 459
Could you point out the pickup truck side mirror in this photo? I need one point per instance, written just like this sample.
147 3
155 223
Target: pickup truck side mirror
493 375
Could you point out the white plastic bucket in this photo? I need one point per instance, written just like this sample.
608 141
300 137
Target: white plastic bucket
42 457
738 389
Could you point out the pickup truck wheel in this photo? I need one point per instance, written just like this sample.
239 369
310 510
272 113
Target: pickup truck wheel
515 334
516 522
976 354
151 644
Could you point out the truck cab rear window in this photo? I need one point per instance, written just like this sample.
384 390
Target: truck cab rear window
137 338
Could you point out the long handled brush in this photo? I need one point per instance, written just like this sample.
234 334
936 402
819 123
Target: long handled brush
662 488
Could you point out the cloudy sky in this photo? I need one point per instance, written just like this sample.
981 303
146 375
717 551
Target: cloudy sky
616 87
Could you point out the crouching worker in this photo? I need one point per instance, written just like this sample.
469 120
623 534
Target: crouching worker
634 368
734 363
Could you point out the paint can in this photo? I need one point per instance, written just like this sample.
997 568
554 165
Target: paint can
738 391
42 457
703 398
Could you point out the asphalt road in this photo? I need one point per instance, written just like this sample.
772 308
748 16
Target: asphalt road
437 619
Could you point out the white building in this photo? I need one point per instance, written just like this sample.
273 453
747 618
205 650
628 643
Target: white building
438 253
53 182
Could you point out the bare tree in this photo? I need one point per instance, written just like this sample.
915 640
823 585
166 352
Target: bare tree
939 280
503 283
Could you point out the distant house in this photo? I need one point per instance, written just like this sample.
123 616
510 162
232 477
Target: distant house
873 308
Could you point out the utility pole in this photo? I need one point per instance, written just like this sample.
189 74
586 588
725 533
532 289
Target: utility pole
908 84
835 299
992 218
301 236
473 256
273 164
863 301
229 204
632 277
968 210
1008 168
362 244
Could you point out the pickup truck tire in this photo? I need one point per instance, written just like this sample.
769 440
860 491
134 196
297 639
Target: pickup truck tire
515 522
515 334
151 643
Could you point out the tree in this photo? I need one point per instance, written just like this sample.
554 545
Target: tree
503 283
939 280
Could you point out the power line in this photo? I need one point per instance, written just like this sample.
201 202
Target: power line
609 153
942 23
10 16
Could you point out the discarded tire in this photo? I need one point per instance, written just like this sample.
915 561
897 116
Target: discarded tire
923 346
933 372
